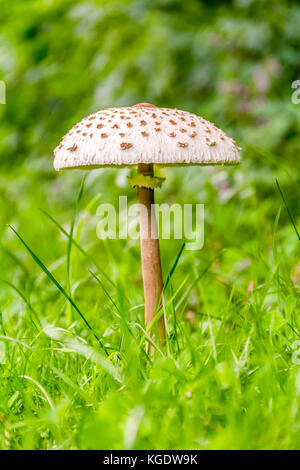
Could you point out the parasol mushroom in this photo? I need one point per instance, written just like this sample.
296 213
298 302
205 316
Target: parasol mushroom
144 135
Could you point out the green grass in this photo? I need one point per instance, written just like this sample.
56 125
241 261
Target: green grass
73 365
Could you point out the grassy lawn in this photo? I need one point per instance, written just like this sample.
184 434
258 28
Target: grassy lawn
228 377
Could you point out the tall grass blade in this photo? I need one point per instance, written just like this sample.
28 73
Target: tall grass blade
287 208
171 272
58 285
78 246
40 387
105 290
24 300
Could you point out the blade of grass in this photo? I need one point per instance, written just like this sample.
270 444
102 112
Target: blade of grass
58 285
287 208
24 299
174 318
169 276
198 278
78 246
149 339
105 291
115 305
268 155
171 272
40 387
69 382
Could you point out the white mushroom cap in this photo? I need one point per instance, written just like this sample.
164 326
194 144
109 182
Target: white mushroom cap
121 137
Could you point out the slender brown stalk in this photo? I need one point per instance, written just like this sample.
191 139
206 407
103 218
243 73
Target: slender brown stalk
150 254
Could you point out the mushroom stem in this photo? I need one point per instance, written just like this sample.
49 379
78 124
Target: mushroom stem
150 254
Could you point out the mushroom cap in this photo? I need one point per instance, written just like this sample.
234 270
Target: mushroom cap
126 136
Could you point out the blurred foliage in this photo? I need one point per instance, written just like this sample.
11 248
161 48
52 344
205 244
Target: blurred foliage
229 61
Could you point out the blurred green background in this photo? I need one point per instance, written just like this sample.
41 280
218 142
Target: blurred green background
231 62
228 61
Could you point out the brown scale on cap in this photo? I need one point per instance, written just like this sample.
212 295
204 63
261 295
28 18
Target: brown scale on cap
172 134
193 134
173 122
209 142
183 130
73 148
122 134
88 125
192 124
99 126
84 133
143 123
104 135
115 126
157 129
182 144
129 124
145 134
125 145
